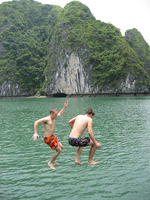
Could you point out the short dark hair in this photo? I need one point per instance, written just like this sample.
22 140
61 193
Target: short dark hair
53 110
90 111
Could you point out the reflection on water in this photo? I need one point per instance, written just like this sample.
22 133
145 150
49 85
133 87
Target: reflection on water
122 125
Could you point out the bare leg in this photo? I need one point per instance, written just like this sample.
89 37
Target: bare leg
56 163
53 159
91 154
61 146
79 150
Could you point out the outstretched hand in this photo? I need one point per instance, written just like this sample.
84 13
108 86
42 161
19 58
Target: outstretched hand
66 104
34 137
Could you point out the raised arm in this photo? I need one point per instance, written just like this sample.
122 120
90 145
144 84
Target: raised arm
63 109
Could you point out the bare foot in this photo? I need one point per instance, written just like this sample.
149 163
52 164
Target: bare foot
92 163
56 163
78 163
51 166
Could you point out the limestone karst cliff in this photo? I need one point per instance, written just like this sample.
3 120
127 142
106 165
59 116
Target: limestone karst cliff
74 79
97 67
48 50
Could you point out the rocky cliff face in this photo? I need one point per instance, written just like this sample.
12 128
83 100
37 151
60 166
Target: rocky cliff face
99 62
9 89
74 78
69 52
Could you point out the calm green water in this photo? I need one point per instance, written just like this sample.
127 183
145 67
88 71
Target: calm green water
122 125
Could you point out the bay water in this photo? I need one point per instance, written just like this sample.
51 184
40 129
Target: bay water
120 124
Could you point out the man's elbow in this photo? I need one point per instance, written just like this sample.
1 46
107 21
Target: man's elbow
35 123
70 124
59 114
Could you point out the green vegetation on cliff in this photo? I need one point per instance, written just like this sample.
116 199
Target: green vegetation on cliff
108 52
139 45
34 36
25 28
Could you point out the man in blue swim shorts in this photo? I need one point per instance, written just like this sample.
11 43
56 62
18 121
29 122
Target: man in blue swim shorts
78 125
81 142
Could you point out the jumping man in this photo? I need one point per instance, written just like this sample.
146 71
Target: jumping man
49 137
78 125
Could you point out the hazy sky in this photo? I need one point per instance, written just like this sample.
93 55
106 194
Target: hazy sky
124 14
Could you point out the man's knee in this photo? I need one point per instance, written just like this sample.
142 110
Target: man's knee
59 149
60 145
91 143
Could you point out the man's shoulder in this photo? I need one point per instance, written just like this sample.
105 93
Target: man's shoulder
80 116
84 117
89 119
46 118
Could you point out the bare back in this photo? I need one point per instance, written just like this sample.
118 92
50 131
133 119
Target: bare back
80 123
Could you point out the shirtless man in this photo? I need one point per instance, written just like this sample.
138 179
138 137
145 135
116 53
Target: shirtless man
49 137
78 125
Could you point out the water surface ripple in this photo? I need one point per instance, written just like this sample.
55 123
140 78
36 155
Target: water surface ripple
122 125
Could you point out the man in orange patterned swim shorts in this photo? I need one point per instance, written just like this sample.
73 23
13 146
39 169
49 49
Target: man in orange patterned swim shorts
52 141
49 137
